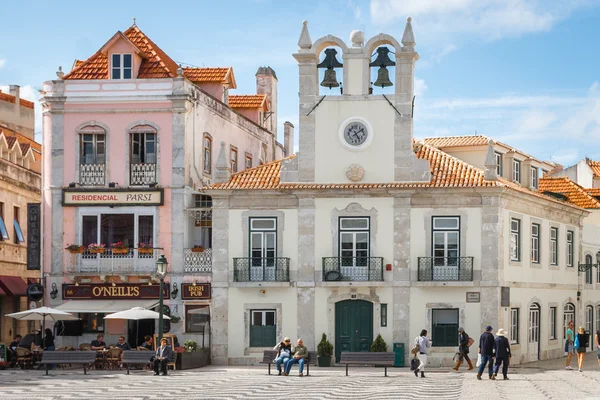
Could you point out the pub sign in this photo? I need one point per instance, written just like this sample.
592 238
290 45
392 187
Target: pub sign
121 291
34 236
199 291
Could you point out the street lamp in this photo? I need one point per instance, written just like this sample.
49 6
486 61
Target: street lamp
586 267
161 271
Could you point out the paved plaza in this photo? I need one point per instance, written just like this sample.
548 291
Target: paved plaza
534 381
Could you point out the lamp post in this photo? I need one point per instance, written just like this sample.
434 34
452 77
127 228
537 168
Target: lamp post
161 271
586 267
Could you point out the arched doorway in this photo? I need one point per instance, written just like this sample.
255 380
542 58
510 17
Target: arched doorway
533 345
589 325
353 326
568 316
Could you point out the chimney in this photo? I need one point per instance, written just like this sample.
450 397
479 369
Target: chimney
266 83
288 138
15 90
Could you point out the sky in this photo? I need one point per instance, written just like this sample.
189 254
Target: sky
524 72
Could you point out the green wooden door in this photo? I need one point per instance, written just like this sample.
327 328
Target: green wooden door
353 326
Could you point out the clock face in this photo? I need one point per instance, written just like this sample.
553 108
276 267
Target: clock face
356 133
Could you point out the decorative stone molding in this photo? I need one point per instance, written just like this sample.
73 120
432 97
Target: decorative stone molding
248 307
280 218
355 173
357 38
354 210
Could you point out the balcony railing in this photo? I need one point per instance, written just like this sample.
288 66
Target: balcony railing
197 262
261 269
91 174
353 268
142 173
112 263
445 269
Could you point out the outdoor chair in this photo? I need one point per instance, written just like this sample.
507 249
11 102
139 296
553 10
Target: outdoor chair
113 358
24 357
85 346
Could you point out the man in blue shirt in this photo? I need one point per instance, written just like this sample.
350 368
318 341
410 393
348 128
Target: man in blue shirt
486 349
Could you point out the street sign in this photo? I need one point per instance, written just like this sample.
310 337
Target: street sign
35 292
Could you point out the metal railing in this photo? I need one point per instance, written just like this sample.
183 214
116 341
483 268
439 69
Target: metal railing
114 262
142 173
195 262
92 174
445 269
353 268
271 269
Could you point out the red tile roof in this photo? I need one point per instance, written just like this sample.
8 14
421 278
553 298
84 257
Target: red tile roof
22 138
12 99
574 193
24 148
595 166
249 101
10 141
155 62
206 74
594 192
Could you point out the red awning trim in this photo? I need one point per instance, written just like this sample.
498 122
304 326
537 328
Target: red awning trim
13 285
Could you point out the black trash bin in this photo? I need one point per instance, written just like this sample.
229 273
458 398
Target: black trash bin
399 355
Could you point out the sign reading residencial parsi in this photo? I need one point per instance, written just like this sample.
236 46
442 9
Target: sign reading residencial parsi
116 197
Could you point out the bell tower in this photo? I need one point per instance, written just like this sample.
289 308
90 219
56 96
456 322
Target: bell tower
352 132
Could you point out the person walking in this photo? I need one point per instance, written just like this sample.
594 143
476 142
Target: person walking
464 341
424 345
502 353
486 349
597 340
581 344
569 344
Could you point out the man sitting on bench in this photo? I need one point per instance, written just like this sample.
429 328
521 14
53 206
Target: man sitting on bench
300 353
163 355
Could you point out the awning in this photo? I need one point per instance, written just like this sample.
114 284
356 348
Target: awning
13 286
104 306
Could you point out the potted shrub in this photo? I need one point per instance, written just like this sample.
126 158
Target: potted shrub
74 248
379 345
189 356
96 248
145 248
324 352
119 248
197 249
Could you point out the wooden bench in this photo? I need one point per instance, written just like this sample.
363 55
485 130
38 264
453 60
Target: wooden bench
68 357
136 357
270 355
384 360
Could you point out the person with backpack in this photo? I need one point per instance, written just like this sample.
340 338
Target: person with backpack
464 341
581 344
486 349
421 350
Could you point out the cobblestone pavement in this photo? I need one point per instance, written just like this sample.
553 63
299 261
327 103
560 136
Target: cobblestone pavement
538 381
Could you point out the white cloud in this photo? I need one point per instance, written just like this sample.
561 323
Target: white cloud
492 19
2 62
420 87
566 156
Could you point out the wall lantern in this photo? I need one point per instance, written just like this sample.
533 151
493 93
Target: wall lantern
175 291
54 291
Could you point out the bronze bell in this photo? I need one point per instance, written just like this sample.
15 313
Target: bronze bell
330 79
383 78
330 60
383 60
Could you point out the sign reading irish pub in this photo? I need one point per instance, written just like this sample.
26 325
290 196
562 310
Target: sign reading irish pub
199 291
116 197
121 291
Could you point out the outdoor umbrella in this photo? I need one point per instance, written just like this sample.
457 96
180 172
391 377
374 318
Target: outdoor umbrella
135 314
40 314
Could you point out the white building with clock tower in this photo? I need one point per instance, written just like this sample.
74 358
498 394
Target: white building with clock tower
366 231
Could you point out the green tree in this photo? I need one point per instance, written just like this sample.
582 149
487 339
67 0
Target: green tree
324 348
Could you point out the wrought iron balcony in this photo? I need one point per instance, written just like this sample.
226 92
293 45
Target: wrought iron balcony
261 269
92 174
197 262
114 261
445 269
353 268
142 173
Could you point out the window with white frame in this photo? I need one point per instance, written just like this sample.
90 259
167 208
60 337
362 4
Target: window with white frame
588 271
121 66
552 320
248 160
203 221
514 325
534 177
589 321
263 240
446 241
354 241
499 163
92 149
444 327
207 153
133 230
554 246
570 248
568 316
233 156
535 243
263 328
515 239
516 171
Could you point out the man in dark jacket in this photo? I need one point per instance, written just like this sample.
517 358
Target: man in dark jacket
463 349
502 352
162 357
486 349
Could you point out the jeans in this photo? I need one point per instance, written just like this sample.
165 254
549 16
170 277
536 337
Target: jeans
292 361
504 362
160 365
423 360
485 359
279 360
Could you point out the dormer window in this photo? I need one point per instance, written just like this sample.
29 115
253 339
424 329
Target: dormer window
121 66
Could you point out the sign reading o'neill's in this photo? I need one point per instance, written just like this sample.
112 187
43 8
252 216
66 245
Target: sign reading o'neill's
120 291
112 197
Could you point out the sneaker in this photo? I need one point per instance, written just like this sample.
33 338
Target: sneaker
569 367
580 370
300 374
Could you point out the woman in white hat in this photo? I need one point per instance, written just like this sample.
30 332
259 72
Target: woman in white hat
502 353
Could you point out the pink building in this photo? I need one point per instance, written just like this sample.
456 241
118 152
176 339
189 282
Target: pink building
130 138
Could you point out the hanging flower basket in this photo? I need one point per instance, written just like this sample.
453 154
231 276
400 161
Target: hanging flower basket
197 249
96 248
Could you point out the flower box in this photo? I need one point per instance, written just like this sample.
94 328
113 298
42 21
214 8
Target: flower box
96 251
76 250
145 250
120 251
194 359
199 249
